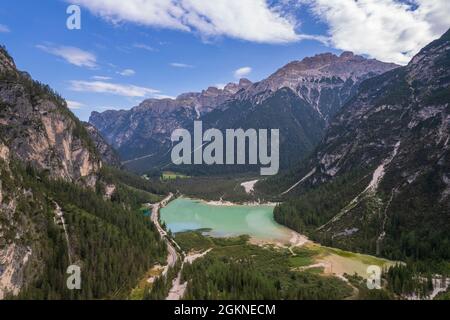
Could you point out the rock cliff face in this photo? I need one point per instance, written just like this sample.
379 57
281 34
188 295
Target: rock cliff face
390 144
39 129
107 153
325 81
36 130
299 98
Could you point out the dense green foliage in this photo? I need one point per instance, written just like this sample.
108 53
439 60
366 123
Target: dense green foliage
195 241
112 242
159 290
366 294
443 295
115 176
407 227
317 206
227 188
405 280
237 270
419 227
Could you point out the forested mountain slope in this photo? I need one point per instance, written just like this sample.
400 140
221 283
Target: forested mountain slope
379 181
59 205
298 99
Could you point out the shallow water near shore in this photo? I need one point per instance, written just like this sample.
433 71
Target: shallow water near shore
257 221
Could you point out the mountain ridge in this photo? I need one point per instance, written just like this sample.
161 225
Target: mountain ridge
145 130
380 176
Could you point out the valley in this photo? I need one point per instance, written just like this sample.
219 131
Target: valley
362 192
363 183
198 230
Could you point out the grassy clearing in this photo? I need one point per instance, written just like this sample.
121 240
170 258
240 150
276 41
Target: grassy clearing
273 272
138 293
344 262
303 257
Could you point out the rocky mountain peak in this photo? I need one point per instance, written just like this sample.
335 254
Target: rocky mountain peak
244 83
39 129
202 102
317 61
212 91
325 81
431 60
234 88
347 65
6 61
347 55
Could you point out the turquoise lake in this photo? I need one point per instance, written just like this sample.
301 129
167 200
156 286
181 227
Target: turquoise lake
258 222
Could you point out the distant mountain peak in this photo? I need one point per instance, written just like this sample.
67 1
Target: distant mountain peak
347 65
313 79
236 87
347 55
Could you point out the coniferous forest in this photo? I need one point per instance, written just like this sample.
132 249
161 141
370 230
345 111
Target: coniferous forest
112 241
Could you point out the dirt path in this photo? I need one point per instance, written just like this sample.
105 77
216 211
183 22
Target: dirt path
313 171
179 289
59 220
140 158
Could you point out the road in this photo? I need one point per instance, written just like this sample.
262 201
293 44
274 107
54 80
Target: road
172 256
178 289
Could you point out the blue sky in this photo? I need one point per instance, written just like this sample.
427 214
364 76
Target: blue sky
130 53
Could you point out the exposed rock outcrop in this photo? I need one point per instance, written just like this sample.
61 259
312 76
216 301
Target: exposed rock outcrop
108 154
39 129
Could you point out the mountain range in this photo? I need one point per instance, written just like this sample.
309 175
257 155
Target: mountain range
299 99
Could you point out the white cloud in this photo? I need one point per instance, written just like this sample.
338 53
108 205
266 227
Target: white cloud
73 55
102 78
251 20
74 105
144 47
127 72
181 65
163 96
387 30
242 72
4 28
124 90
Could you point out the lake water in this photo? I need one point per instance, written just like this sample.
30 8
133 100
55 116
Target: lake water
185 214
